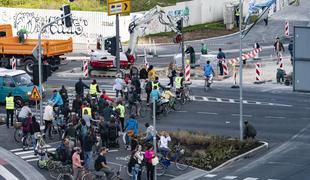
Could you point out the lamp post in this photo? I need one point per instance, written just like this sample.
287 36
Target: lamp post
240 70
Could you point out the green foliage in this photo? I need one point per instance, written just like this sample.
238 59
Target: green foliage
206 151
84 5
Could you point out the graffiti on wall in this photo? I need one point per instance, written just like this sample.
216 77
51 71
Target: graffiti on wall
178 13
33 23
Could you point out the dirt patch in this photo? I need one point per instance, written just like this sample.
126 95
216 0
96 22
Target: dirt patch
194 35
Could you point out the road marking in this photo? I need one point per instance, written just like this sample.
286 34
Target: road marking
245 102
250 178
244 115
209 113
231 101
7 174
230 177
210 175
274 117
31 160
271 104
31 151
21 149
258 103
181 111
205 98
219 100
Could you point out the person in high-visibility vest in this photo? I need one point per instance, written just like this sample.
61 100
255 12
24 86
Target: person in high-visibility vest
157 83
9 106
179 83
121 109
86 107
94 88
237 16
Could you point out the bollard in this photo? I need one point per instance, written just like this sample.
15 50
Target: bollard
85 68
287 28
187 71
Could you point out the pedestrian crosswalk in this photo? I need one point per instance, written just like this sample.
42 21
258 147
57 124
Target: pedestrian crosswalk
28 155
230 177
234 101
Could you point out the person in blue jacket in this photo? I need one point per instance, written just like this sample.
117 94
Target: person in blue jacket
131 125
57 101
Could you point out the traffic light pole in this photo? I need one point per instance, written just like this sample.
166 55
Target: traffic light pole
117 57
40 61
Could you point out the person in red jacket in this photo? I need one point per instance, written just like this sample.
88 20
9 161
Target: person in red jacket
106 97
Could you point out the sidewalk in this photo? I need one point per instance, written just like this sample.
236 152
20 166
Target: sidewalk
25 169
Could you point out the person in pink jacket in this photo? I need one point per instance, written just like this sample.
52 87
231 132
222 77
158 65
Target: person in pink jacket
149 155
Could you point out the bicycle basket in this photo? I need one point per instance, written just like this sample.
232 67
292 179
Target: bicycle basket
18 125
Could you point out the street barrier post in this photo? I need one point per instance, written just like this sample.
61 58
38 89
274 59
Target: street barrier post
85 68
187 71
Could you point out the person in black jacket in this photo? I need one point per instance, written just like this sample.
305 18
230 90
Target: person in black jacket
249 131
64 94
79 88
76 105
88 143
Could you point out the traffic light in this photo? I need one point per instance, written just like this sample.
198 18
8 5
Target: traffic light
110 45
66 12
180 25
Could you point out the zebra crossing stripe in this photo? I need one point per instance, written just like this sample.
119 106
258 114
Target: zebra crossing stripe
7 174
20 149
210 175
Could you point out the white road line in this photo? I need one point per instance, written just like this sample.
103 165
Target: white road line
218 99
20 149
29 156
210 175
244 115
209 113
250 178
205 98
271 104
258 103
181 111
31 160
230 177
7 174
193 98
31 151
231 100
274 117
245 102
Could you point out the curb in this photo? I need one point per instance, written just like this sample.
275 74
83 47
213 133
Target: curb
249 153
200 172
25 169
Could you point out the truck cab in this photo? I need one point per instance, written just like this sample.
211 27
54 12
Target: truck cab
18 82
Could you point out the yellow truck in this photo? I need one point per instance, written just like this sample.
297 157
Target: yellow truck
10 47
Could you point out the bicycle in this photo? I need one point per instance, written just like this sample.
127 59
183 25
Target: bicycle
185 93
208 82
56 167
97 175
26 141
178 159
174 104
18 132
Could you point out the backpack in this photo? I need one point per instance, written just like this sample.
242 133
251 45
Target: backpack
148 86
97 165
83 131
112 132
27 125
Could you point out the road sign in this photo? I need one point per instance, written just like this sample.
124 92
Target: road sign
35 95
35 52
115 1
121 7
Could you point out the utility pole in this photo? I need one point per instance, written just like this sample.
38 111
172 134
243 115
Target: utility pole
117 57
154 137
240 70
182 44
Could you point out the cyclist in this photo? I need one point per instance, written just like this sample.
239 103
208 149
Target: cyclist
57 101
26 127
131 129
208 71
157 83
133 100
164 140
76 163
121 109
48 117
101 165
79 88
71 135
155 96
64 93
149 133
179 83
35 131
23 114
168 96
94 89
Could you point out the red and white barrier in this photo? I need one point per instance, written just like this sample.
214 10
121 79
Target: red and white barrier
245 56
258 73
281 63
225 68
287 28
13 63
187 71
85 68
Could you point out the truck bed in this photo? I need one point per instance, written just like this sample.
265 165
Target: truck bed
50 48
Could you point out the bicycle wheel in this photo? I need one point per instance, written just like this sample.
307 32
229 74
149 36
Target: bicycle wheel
42 164
206 86
165 109
55 171
160 169
183 98
18 135
65 177
177 105
181 163
88 176
188 94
